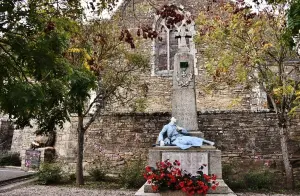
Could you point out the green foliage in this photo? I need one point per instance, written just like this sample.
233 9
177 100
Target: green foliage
50 173
98 173
293 13
81 82
257 180
253 178
294 17
34 71
49 62
246 48
234 181
72 177
10 159
140 105
132 174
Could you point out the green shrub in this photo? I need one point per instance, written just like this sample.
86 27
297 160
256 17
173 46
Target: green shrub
97 174
259 180
50 173
72 177
227 171
256 177
10 159
132 175
237 184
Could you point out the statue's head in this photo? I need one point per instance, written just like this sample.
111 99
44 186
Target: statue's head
173 120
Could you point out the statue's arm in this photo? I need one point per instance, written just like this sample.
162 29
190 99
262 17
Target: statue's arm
182 130
161 134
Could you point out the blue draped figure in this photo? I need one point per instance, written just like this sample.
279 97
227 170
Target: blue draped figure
178 136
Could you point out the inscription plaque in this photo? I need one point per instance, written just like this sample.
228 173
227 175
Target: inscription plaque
32 158
190 161
184 65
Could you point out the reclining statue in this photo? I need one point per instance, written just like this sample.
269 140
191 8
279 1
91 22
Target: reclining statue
175 135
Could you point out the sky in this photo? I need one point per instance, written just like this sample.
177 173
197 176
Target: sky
90 15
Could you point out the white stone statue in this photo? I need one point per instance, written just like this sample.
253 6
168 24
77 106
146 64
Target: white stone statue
178 136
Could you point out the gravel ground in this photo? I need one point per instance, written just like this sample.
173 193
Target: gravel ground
36 190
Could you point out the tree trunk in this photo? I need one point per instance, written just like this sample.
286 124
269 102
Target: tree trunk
80 141
285 156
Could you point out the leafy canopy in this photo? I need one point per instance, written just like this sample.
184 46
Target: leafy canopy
242 47
37 81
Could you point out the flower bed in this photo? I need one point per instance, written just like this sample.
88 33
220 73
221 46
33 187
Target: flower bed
168 176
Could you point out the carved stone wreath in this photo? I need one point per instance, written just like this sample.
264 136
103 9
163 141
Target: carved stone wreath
184 79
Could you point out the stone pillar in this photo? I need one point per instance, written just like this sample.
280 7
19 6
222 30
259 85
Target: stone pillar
184 96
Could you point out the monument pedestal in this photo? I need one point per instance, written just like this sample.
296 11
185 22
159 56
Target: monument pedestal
190 159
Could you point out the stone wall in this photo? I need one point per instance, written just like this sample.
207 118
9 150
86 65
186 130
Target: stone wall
247 135
23 138
6 134
116 139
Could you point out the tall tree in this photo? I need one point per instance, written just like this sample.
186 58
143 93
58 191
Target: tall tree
242 47
34 71
49 63
115 69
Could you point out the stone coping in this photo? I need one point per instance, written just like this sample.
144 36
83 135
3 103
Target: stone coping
133 114
176 148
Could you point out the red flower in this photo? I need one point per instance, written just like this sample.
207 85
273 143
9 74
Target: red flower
181 184
148 169
172 179
190 182
214 177
200 183
177 163
191 192
154 188
168 175
200 191
206 177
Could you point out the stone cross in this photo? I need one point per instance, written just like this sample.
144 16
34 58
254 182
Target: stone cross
182 34
183 93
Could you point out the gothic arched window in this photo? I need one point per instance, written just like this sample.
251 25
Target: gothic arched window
166 48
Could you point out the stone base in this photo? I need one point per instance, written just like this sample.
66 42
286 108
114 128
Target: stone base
190 159
141 192
221 189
